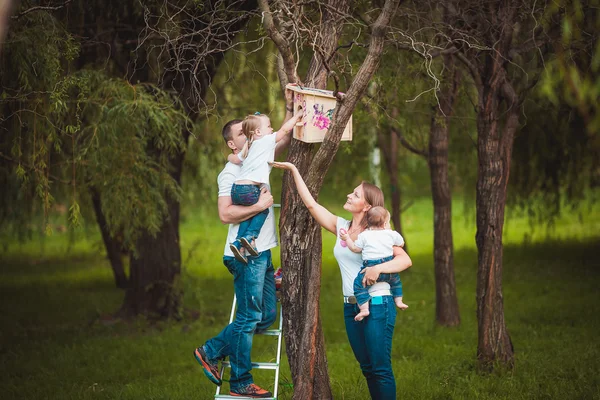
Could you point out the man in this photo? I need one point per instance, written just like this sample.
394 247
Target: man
254 284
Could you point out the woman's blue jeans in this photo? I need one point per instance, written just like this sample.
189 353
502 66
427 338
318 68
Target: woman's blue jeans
254 287
371 341
247 195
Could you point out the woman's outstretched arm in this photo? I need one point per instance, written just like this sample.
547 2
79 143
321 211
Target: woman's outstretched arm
323 216
400 262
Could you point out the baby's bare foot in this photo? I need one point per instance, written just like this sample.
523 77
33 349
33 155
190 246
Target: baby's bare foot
361 315
401 305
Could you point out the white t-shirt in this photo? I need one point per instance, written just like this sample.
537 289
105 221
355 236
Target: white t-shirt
350 265
255 167
267 238
378 243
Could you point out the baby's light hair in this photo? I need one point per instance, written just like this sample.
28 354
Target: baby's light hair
377 217
250 124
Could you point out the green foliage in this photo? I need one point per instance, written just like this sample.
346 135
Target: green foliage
572 74
70 132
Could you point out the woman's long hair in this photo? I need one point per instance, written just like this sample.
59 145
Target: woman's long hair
373 197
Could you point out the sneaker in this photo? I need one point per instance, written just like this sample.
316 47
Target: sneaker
211 369
252 391
237 253
252 250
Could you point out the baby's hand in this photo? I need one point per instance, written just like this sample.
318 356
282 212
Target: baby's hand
344 237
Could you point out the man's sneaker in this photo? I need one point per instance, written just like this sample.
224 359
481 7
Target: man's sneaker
252 250
237 253
211 369
252 391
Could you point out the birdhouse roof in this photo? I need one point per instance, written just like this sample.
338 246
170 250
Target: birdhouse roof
306 90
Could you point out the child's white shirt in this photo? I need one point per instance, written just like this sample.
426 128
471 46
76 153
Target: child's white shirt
378 243
255 167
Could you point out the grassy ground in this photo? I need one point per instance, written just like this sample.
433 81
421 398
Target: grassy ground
57 343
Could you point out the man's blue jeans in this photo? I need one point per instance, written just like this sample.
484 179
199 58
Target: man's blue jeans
362 292
247 195
254 287
371 341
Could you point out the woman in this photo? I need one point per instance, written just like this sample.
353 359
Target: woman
371 338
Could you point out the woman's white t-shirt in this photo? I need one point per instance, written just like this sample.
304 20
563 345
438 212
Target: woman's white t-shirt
350 265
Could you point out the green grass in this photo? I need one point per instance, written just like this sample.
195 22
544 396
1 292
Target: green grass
57 343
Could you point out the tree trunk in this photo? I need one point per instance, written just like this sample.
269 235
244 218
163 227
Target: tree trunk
113 246
155 269
446 302
494 151
390 157
300 234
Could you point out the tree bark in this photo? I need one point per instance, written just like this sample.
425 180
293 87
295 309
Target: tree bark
446 302
494 146
113 246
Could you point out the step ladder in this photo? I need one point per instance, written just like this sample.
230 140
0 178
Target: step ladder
258 365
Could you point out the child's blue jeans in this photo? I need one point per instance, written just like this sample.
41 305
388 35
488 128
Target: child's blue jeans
362 293
247 195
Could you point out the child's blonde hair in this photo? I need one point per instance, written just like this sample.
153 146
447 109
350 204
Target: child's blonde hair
250 124
377 217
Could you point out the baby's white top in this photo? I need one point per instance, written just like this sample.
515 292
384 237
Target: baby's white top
350 265
255 167
378 243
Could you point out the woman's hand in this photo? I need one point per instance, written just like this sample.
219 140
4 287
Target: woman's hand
283 165
371 274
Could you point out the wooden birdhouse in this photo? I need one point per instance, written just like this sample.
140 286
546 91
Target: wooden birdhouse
318 106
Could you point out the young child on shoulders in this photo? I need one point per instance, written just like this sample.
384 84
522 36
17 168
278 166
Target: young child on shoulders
258 151
376 245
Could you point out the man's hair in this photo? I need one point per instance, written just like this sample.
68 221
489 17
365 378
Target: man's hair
377 217
227 134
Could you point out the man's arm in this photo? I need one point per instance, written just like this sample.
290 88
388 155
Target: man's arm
232 214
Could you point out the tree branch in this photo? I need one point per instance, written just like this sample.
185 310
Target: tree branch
324 155
41 8
408 146
289 65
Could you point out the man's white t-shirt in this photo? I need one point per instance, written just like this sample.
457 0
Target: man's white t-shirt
378 243
267 238
350 265
255 167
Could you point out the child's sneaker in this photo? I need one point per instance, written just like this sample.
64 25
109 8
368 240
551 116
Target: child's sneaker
211 369
252 250
252 391
237 253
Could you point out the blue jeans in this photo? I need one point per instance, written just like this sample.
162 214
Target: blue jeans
247 195
254 287
362 293
371 342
